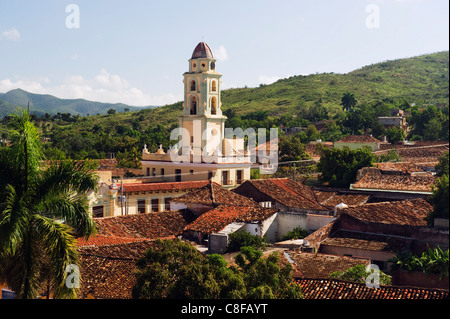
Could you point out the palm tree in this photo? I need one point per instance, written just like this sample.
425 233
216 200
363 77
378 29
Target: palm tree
42 210
348 101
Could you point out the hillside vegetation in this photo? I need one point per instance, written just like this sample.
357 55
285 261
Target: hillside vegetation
297 101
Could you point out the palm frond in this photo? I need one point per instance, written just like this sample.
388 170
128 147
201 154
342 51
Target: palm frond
60 246
14 220
66 175
71 209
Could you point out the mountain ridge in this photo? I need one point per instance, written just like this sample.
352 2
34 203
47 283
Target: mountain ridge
45 103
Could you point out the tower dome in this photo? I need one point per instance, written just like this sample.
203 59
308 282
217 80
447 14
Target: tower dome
202 51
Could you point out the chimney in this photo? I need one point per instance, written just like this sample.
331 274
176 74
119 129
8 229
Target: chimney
339 207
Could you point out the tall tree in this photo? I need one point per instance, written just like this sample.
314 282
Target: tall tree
348 101
42 209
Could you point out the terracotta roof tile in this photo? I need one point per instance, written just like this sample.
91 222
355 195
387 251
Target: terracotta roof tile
100 240
395 182
359 139
339 289
142 187
214 194
288 192
399 166
374 242
149 226
107 271
218 218
422 152
316 265
407 212
331 199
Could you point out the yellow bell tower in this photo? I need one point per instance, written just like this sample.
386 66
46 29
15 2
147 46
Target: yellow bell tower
202 112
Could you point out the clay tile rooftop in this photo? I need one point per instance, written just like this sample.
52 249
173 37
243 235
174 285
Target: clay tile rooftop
214 194
316 265
331 199
288 192
407 212
147 226
218 218
167 186
405 183
339 289
359 139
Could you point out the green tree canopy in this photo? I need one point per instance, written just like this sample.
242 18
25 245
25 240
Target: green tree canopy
175 269
338 167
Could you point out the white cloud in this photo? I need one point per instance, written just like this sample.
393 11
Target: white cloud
220 54
11 34
104 87
265 79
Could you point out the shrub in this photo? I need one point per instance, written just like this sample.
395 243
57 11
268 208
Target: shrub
240 239
296 233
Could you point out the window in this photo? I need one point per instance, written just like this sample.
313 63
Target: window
193 105
162 172
167 203
193 86
153 171
239 176
210 175
213 106
155 205
141 206
213 86
97 211
191 171
148 171
225 178
178 175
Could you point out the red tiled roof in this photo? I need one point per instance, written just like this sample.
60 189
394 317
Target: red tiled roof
100 240
218 218
339 289
331 199
365 241
142 187
149 226
288 192
214 194
421 153
316 265
395 182
359 139
407 212
398 166
107 271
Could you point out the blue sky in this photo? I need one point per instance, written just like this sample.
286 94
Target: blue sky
135 52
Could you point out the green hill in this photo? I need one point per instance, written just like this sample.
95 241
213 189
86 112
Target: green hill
422 80
44 103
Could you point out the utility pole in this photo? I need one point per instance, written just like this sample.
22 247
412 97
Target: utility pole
121 197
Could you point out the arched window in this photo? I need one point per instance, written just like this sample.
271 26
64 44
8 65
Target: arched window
213 86
213 106
193 105
193 86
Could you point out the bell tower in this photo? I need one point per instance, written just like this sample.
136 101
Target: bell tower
202 112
